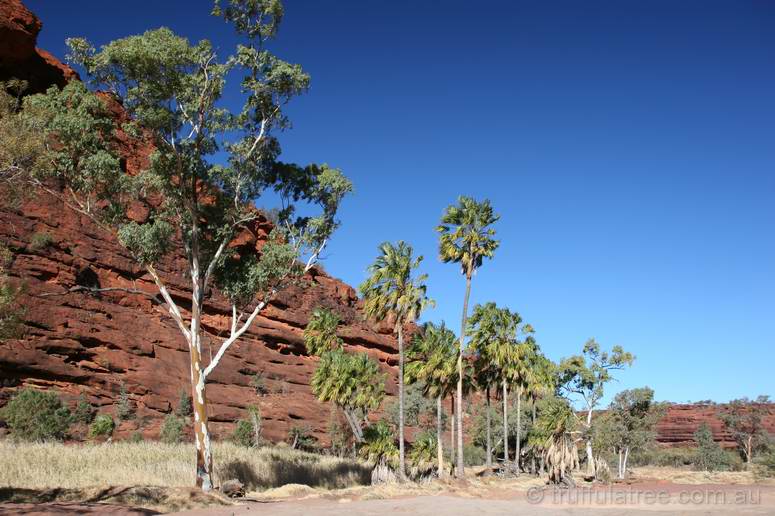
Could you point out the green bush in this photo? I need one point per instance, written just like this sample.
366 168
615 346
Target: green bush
243 433
102 426
40 241
124 408
84 412
185 407
34 415
709 456
136 437
172 429
301 438
474 455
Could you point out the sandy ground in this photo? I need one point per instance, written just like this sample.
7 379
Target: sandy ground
657 499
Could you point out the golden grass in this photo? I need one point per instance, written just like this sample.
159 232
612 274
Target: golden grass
692 477
55 465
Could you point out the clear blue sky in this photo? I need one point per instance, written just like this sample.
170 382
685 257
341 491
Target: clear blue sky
628 146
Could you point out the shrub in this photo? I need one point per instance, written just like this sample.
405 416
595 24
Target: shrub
84 412
40 241
124 408
243 433
102 426
136 437
474 455
34 415
764 464
709 456
172 429
379 446
423 449
185 407
301 438
259 384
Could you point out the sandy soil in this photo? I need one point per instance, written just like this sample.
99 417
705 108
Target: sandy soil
645 498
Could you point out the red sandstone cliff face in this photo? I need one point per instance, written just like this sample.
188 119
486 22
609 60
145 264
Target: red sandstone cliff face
81 343
19 57
679 423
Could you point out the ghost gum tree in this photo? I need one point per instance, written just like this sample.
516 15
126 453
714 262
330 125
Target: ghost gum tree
172 90
584 376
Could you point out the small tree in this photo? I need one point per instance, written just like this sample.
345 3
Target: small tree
585 376
466 237
34 415
629 424
392 290
708 456
320 334
744 419
102 426
554 435
124 408
11 314
208 167
351 382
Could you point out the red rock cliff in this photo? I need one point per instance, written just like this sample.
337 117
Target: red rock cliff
83 343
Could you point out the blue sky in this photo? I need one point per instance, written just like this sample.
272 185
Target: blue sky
628 146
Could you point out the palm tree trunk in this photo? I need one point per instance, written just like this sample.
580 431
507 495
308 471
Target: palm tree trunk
505 425
401 456
452 442
489 432
532 425
439 436
459 471
519 427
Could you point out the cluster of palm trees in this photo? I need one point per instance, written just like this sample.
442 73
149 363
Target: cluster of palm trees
501 357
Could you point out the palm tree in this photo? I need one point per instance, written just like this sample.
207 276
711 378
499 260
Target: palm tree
320 334
482 332
432 359
392 291
467 238
554 434
352 382
494 333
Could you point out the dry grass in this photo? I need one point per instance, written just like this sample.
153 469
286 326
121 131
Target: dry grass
77 466
692 477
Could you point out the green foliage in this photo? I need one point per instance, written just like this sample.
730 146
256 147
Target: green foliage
552 437
744 419
136 437
185 407
34 415
300 438
258 382
478 430
379 446
390 288
172 429
125 410
351 381
84 411
431 360
585 375
466 235
765 464
243 433
629 423
419 411
40 241
340 443
474 455
320 334
709 456
11 313
102 426
424 448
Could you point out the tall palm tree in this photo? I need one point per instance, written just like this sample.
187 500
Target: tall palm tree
494 333
431 359
466 237
482 330
391 290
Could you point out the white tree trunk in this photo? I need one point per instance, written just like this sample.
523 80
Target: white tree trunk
505 425
590 457
401 455
624 462
439 437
